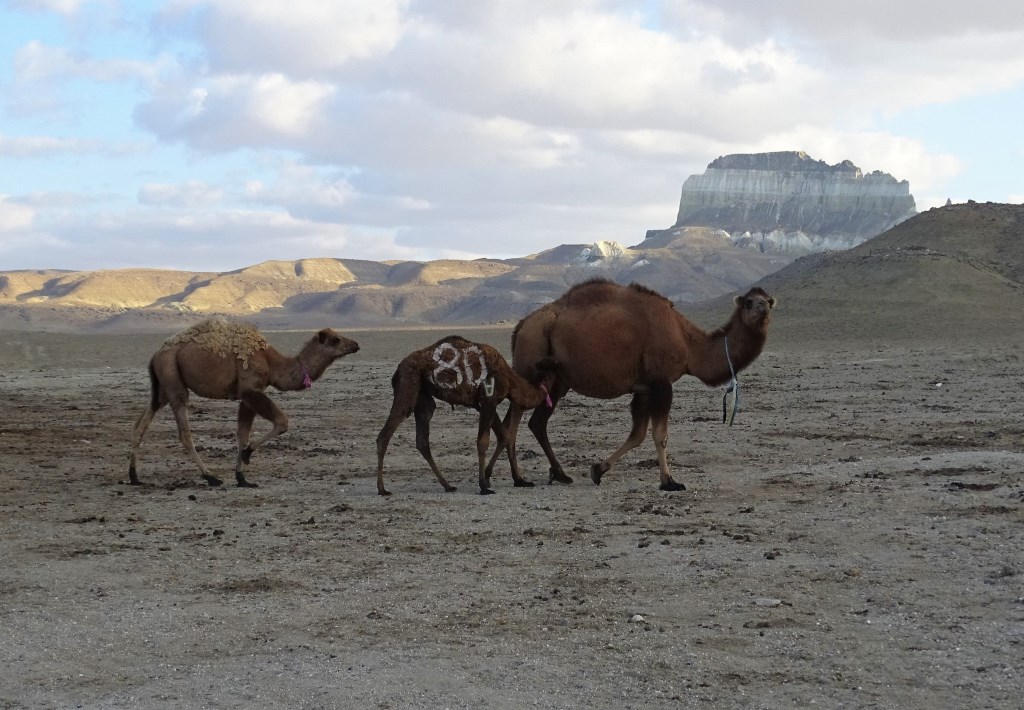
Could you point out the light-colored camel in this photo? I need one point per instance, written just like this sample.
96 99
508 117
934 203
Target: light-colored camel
460 372
223 360
610 340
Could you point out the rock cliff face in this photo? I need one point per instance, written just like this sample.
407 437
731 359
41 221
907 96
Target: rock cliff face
790 203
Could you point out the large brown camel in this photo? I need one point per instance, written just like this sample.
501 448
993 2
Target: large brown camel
610 340
460 372
223 360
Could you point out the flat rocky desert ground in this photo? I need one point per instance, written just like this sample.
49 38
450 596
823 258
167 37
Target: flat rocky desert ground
856 539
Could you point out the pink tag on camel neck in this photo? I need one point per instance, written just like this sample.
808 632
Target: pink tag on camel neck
547 398
307 381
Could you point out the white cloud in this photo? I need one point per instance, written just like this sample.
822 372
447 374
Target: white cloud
35 62
298 185
61 7
234 111
203 240
598 71
193 193
904 158
536 91
848 24
27 146
307 193
14 216
286 107
301 38
877 54
449 127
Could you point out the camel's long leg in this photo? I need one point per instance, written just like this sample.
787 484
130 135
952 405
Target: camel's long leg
505 443
661 405
539 427
513 416
425 406
261 404
401 407
488 417
139 431
179 405
639 409
246 416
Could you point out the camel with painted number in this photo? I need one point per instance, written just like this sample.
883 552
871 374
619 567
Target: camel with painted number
610 340
460 372
219 359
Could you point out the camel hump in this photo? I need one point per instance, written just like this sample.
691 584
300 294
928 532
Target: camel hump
642 290
600 291
222 337
456 340
596 290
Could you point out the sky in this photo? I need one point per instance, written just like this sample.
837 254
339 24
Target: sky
210 135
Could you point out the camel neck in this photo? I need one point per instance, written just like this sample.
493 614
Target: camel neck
293 373
307 381
725 352
524 393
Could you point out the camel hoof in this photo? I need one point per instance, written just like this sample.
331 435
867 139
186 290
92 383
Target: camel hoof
450 489
246 454
212 481
558 476
246 484
522 483
383 493
671 485
486 492
597 471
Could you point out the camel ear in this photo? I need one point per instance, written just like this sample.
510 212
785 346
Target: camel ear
772 302
738 300
322 336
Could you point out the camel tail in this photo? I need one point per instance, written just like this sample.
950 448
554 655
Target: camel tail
154 388
542 367
533 333
515 334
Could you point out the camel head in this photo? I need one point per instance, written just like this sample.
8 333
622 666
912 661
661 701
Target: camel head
335 345
754 309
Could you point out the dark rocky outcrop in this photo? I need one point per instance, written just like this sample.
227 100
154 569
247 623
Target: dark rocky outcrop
792 204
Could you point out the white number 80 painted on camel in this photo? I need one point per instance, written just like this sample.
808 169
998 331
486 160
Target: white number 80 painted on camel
460 363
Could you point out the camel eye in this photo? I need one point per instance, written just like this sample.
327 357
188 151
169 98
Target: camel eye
750 303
